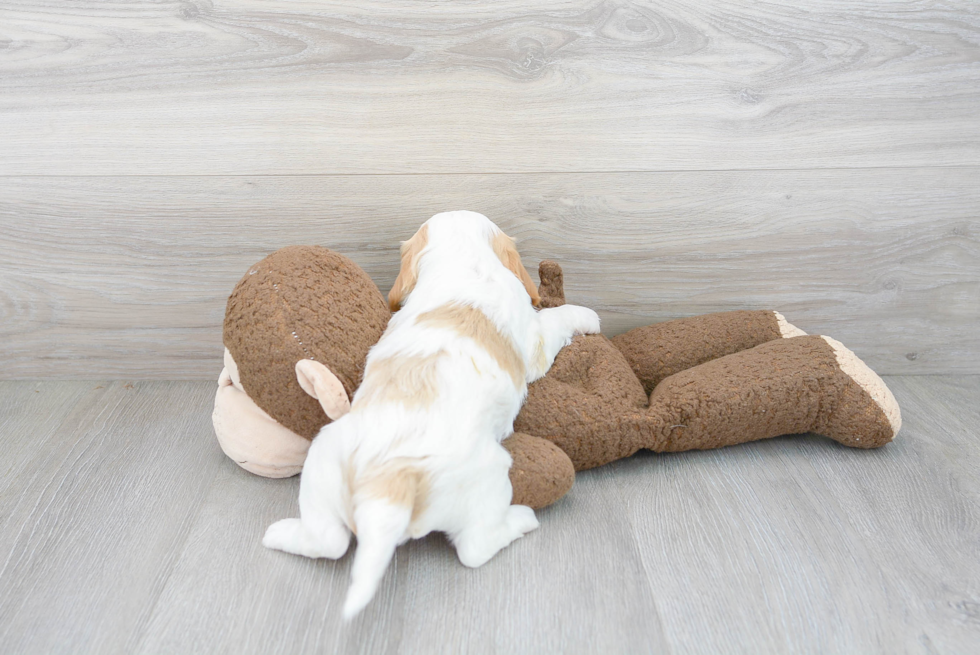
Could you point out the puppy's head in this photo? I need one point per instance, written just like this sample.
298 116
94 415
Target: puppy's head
457 228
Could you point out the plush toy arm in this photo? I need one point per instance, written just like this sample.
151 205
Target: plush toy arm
660 350
663 349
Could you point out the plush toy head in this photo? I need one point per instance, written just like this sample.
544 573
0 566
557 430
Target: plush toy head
297 330
301 303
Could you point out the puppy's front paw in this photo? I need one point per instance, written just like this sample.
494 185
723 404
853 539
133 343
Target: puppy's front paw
585 321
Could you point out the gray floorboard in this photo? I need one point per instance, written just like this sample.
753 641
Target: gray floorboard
125 529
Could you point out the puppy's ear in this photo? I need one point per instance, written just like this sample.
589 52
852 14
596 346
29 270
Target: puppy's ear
409 273
507 253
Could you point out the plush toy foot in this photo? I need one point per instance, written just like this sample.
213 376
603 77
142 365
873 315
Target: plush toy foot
846 423
660 350
788 386
541 472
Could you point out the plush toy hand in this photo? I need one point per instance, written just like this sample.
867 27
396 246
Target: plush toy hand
552 287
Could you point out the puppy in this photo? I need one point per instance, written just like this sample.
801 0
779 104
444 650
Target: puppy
420 449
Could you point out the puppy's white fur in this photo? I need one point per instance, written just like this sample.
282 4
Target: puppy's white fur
420 450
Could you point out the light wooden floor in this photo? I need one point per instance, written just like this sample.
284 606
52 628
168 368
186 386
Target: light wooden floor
125 529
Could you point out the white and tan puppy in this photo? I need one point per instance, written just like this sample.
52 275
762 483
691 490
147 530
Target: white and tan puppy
420 449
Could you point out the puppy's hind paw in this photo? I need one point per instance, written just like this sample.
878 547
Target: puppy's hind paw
521 519
477 544
284 535
293 536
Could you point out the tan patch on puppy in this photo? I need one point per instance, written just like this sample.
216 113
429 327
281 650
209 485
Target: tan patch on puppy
406 379
540 357
506 251
470 322
349 476
400 483
408 275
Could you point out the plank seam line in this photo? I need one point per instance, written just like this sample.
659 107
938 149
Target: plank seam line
523 173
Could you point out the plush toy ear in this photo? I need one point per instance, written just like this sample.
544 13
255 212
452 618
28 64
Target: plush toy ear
318 381
506 251
409 273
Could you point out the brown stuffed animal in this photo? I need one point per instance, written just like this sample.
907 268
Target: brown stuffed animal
701 382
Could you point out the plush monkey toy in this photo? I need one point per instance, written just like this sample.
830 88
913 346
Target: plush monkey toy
299 324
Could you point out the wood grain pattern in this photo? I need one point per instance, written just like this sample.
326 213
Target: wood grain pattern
98 515
427 603
127 530
30 417
808 546
259 87
128 277
588 593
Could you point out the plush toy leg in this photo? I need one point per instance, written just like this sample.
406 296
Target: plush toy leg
787 386
592 407
660 350
541 472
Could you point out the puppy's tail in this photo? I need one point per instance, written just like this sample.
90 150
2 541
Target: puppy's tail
383 510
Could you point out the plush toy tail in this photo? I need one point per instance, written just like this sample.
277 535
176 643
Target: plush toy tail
383 510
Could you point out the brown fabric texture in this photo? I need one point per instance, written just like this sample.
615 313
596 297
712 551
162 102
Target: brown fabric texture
587 403
593 408
301 302
541 472
663 349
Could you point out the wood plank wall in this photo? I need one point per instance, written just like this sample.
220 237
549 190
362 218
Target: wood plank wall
820 158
